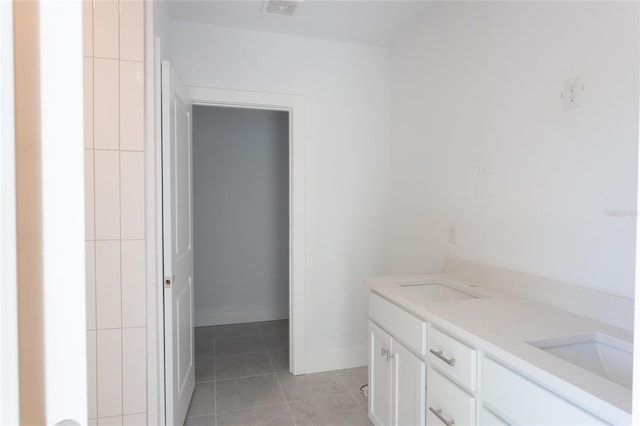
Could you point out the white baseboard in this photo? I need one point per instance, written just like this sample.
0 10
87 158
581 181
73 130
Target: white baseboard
340 360
236 316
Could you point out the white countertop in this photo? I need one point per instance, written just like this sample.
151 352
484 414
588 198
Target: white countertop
501 324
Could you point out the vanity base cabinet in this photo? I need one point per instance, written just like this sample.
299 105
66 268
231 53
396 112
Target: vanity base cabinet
396 382
379 376
487 418
408 375
522 401
448 404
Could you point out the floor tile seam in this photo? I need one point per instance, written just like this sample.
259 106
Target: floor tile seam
342 378
242 353
215 387
326 395
215 400
355 398
235 337
250 408
293 420
284 401
242 377
272 364
200 415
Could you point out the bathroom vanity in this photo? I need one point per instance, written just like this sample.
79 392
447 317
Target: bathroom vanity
444 351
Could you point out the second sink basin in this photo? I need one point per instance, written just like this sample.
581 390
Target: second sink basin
437 292
599 353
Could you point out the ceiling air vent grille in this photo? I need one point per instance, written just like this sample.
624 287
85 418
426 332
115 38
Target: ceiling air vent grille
280 7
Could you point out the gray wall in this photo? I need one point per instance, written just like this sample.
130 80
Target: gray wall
241 214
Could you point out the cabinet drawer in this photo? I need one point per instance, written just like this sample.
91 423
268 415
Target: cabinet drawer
453 358
487 418
401 324
522 401
446 402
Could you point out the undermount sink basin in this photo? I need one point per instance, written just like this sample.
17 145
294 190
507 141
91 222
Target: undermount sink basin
599 353
437 292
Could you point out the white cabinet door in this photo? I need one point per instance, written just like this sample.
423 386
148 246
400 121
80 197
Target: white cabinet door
408 384
379 376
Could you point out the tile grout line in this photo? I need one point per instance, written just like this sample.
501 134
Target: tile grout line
285 400
273 367
215 385
327 395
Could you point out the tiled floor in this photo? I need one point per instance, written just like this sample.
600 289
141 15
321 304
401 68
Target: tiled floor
242 378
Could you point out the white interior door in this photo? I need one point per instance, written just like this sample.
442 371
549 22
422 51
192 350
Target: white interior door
177 225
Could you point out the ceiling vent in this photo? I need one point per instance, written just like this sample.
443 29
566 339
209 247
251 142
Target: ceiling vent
280 7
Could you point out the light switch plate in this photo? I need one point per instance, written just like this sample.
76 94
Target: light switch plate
572 93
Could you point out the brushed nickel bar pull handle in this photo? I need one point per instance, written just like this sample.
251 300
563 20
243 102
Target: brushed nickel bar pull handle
451 361
439 415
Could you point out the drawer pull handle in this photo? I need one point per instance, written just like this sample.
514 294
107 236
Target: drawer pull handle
439 415
451 361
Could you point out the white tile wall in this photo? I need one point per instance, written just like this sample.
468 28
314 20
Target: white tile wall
106 77
131 32
106 38
90 279
134 378
135 420
107 194
89 212
92 391
108 286
132 195
114 191
133 288
110 421
88 101
109 373
131 106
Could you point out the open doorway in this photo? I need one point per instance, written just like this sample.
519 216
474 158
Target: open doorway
178 319
241 241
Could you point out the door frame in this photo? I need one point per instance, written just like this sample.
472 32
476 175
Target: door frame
294 105
202 96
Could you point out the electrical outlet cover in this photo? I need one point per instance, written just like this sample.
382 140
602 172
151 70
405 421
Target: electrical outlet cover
572 93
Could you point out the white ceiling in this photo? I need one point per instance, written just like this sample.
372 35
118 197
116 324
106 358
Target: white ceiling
377 22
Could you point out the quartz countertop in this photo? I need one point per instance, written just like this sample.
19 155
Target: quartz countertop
501 324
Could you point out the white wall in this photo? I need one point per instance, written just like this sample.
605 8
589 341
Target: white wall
240 215
479 138
162 28
346 90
